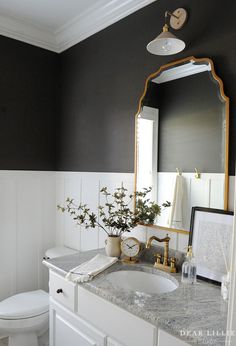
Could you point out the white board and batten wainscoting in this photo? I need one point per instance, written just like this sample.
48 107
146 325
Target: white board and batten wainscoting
84 187
27 229
30 222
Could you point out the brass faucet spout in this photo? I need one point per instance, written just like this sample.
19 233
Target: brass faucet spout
150 240
165 265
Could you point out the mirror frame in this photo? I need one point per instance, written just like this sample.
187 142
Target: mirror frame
223 96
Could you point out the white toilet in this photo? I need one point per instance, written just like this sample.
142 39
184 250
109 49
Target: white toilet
25 316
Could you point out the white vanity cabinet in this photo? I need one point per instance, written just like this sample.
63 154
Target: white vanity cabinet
81 318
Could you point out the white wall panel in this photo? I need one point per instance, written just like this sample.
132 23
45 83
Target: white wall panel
7 236
113 181
27 229
72 189
90 196
48 222
28 235
231 193
68 184
60 199
217 191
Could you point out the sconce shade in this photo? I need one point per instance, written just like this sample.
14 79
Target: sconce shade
165 44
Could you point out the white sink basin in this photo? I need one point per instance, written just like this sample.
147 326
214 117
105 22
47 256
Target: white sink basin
141 281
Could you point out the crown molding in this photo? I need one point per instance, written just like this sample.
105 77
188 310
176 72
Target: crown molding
27 32
89 22
95 20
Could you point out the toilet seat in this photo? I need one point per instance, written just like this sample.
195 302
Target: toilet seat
24 325
24 305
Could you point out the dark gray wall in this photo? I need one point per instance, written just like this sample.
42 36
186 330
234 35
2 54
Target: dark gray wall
100 81
191 123
28 106
103 78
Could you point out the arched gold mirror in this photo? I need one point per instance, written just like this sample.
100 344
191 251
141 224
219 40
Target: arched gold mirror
182 130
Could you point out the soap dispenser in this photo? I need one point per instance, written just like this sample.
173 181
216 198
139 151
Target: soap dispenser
189 269
185 268
192 268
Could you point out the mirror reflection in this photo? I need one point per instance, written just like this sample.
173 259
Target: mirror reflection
182 140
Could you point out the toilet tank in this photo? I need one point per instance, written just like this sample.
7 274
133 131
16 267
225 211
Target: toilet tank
59 251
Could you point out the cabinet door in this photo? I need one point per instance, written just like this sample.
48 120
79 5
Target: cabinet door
67 334
112 342
67 329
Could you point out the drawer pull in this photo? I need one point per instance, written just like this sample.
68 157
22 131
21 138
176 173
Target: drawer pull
59 290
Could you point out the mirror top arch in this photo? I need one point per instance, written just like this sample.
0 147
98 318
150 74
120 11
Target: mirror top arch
183 68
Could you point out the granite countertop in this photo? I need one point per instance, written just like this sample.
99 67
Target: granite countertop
196 314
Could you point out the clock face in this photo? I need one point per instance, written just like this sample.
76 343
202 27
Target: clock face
130 247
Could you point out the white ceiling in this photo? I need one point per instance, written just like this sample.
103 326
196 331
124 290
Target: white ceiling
49 13
59 24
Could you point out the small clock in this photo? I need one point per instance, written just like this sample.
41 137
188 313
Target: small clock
130 247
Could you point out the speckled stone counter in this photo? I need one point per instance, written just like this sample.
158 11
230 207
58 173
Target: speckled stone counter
196 314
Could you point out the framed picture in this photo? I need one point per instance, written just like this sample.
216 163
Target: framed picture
210 237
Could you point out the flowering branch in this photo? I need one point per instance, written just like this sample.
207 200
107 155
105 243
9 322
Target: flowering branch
115 217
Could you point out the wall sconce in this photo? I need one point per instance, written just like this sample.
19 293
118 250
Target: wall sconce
167 43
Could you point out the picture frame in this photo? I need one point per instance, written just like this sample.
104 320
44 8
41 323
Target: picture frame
210 237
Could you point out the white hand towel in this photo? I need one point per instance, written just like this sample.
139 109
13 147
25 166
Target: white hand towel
87 270
176 212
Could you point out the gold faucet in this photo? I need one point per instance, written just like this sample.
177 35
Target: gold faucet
165 265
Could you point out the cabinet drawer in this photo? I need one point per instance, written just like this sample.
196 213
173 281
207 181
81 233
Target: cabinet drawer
63 291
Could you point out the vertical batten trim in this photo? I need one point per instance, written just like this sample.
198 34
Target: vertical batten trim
14 272
40 234
64 220
17 234
99 201
209 195
80 236
177 241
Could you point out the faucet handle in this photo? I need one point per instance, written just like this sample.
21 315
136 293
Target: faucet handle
173 264
158 256
167 237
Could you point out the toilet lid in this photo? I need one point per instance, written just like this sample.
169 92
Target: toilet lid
60 251
24 305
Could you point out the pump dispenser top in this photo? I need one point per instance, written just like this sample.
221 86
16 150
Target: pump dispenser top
189 269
